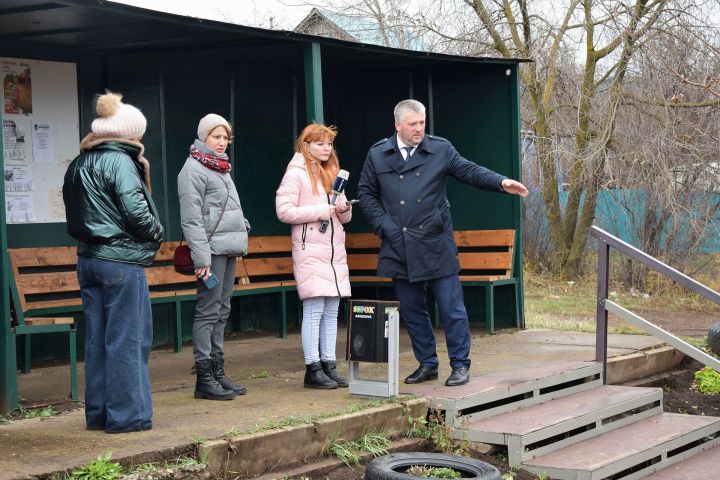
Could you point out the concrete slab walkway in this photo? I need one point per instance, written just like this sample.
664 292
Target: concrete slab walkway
38 446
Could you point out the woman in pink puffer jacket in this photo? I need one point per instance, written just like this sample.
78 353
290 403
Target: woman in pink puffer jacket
319 258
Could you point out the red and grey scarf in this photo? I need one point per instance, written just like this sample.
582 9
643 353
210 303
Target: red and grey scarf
210 161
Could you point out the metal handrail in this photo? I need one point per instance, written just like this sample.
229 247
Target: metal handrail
604 305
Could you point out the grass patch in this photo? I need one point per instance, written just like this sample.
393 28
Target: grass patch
100 469
547 294
559 305
44 412
555 322
233 432
295 420
350 452
433 472
434 428
260 374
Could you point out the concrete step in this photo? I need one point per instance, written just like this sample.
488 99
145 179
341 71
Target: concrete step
702 466
503 391
633 451
539 429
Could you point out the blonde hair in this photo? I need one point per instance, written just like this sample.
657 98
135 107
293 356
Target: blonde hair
326 171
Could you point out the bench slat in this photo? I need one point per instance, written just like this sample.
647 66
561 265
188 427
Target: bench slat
269 244
482 278
369 278
55 282
50 321
362 240
166 275
166 251
44 257
486 261
268 266
362 261
485 238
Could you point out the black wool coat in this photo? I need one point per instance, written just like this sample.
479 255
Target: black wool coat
406 204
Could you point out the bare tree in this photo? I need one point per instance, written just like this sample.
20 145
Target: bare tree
586 54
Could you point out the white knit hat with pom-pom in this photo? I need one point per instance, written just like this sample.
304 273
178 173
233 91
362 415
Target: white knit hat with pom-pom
118 119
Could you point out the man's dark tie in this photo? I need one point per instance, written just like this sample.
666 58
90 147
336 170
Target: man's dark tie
409 150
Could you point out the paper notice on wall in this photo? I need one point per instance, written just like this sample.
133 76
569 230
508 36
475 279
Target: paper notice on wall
19 207
17 87
18 178
57 206
16 135
42 143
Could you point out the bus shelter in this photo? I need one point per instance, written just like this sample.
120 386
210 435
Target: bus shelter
269 84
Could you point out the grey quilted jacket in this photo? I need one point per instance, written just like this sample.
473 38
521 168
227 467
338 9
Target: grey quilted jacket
202 193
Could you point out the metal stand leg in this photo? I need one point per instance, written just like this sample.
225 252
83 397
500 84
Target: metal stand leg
377 388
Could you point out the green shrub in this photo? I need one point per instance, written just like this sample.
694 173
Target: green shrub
708 381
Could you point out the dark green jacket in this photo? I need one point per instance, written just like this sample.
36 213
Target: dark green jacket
108 207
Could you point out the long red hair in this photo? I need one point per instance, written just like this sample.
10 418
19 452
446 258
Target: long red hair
324 172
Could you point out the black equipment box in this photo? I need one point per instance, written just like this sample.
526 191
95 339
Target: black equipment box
368 330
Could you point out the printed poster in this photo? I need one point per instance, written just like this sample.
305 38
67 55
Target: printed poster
17 87
19 207
42 143
16 138
18 178
57 206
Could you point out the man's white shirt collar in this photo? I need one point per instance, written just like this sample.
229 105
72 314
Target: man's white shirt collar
402 145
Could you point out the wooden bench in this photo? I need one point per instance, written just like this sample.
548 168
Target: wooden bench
486 260
24 266
45 285
266 269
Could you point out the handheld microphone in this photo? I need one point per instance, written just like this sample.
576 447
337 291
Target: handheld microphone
337 188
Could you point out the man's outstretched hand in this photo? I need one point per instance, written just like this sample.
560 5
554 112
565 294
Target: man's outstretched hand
514 187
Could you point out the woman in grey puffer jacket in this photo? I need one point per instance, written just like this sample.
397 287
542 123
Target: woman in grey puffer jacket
216 231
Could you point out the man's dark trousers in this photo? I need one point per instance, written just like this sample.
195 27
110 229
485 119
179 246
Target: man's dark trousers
413 312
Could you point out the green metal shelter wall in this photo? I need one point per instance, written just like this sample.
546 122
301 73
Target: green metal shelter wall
471 105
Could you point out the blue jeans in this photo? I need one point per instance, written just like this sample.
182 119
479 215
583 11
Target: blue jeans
118 337
414 313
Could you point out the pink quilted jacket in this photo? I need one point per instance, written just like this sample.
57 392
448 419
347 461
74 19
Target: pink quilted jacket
319 259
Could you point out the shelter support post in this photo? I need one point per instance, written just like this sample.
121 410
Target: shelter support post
313 83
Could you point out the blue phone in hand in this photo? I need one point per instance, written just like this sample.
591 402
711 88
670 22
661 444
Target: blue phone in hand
211 281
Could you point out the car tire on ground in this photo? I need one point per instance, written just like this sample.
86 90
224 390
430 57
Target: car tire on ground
391 467
713 338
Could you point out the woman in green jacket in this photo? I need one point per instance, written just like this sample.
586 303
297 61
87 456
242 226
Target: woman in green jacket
112 216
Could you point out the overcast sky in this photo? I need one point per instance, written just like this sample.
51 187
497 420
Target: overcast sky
281 14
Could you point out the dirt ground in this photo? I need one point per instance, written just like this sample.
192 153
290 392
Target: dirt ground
681 397
683 324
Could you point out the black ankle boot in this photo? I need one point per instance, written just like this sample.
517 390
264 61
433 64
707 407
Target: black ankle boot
206 386
316 378
218 369
331 372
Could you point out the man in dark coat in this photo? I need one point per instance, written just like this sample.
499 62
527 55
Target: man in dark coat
403 194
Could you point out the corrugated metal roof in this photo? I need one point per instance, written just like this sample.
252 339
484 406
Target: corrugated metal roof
94 25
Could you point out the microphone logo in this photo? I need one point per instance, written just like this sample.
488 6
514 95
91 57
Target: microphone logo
340 183
337 188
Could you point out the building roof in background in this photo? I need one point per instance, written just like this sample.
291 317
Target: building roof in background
355 28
